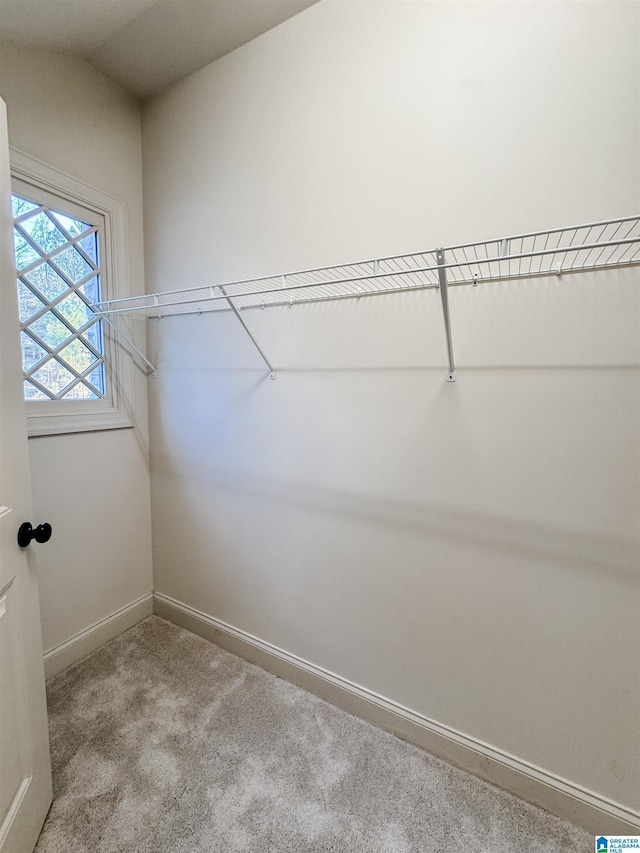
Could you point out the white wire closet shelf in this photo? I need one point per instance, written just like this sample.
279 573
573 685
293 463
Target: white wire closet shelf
608 244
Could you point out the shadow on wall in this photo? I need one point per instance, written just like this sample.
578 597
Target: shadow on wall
508 536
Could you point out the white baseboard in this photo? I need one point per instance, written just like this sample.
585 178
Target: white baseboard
597 814
96 635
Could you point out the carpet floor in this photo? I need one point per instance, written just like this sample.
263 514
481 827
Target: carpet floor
163 742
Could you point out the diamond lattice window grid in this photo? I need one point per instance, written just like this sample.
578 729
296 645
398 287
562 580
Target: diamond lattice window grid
57 263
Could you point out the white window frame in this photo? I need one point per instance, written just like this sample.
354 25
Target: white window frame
53 417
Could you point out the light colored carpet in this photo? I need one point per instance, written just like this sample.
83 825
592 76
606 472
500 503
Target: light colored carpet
163 742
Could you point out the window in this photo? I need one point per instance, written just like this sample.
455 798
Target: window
58 267
70 248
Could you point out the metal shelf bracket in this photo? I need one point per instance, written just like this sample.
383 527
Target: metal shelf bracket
272 371
444 296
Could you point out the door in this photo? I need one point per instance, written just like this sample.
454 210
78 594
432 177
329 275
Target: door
25 768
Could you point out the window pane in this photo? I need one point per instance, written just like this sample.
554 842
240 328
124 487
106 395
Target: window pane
44 232
89 245
91 289
72 264
19 206
54 376
31 352
72 226
81 392
75 310
28 302
50 330
94 335
33 393
47 280
77 355
25 253
96 377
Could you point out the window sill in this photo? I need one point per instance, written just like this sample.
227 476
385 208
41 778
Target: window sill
60 424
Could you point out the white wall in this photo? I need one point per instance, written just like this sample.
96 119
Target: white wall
93 487
471 549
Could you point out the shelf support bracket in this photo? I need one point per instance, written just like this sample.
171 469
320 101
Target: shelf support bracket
125 337
444 296
272 372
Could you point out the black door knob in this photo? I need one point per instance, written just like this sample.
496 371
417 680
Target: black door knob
41 533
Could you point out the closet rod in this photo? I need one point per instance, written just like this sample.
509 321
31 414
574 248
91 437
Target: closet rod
286 303
286 289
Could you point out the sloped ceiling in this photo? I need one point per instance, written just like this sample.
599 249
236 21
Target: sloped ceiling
144 45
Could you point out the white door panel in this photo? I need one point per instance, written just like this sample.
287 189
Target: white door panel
25 769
